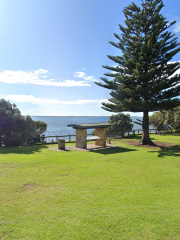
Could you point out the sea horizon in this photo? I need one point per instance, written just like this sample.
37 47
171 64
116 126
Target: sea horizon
76 116
57 125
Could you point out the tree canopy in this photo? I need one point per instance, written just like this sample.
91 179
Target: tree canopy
169 119
122 123
144 79
14 128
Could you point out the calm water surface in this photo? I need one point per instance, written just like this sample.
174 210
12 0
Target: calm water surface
57 126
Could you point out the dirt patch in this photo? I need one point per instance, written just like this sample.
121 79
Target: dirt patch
27 186
63 175
157 144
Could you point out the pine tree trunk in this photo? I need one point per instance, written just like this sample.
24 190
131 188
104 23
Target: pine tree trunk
145 140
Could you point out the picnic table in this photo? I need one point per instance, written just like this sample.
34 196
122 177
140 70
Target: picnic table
81 133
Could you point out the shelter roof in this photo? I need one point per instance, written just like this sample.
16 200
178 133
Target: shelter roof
89 125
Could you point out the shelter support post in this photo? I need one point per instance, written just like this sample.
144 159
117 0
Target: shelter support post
81 135
101 132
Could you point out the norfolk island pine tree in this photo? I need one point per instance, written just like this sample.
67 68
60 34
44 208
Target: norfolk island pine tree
143 78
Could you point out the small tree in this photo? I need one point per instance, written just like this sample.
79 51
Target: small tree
143 79
122 123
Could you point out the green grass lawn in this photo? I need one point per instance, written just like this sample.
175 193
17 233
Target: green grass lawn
120 193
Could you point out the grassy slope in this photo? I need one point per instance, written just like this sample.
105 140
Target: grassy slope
122 193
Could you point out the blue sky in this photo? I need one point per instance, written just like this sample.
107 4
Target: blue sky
52 52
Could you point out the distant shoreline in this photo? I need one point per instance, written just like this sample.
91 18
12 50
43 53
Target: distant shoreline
76 116
69 116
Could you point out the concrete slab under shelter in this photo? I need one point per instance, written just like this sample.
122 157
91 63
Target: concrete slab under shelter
90 147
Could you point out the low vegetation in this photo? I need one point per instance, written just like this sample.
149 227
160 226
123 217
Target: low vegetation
127 192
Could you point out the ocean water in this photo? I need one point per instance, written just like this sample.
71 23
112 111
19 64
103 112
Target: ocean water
57 126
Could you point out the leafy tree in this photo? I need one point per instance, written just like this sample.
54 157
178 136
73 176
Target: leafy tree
157 120
144 79
176 123
166 119
172 118
122 123
14 128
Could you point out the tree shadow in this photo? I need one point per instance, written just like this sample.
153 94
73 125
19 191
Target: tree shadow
168 151
132 137
22 149
113 150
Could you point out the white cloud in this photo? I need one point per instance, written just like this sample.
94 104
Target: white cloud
37 77
43 101
83 75
79 74
32 110
177 27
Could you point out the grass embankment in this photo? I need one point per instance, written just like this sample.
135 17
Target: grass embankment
120 193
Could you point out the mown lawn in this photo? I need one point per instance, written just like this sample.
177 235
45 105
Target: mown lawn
121 193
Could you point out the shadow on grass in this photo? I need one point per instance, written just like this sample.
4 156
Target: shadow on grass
113 150
22 149
168 151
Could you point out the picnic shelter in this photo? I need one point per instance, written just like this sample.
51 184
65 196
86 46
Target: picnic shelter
81 133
